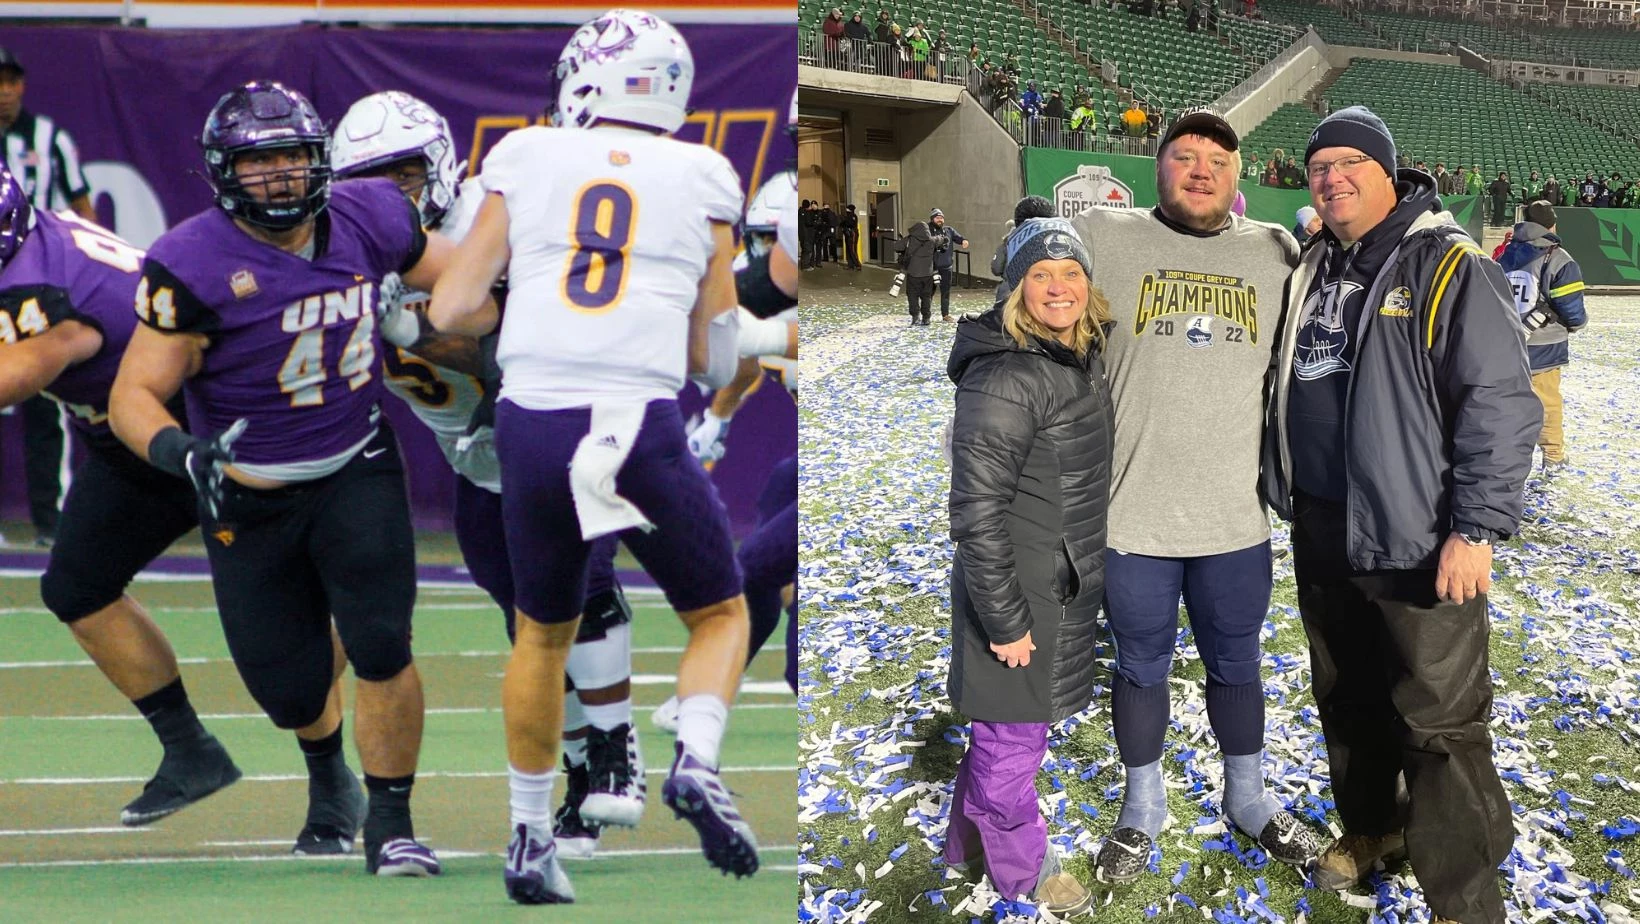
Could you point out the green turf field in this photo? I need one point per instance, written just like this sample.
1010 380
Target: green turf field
73 751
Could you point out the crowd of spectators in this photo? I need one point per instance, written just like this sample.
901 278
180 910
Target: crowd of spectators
885 47
1282 171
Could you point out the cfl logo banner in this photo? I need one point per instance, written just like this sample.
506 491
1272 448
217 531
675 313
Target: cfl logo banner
1093 186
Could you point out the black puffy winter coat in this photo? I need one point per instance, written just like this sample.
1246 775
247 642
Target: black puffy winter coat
1030 485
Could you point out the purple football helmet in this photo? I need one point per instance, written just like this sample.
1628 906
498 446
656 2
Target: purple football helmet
265 115
16 216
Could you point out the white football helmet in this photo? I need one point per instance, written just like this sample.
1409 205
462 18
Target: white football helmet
626 65
386 127
774 202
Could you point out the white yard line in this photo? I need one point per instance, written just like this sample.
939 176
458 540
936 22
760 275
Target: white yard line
234 716
302 777
53 832
659 649
443 855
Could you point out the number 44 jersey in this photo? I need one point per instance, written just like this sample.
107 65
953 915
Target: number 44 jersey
610 232
293 346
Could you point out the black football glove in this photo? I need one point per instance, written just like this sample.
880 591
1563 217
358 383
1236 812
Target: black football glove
200 461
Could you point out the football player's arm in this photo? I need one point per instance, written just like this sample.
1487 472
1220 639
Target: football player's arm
783 272
151 373
30 365
715 295
461 296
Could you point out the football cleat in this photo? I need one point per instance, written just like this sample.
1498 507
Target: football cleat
1288 840
1123 857
616 790
576 837
698 796
533 874
333 821
185 776
402 856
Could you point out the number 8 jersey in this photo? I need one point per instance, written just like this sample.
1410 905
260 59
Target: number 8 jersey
610 236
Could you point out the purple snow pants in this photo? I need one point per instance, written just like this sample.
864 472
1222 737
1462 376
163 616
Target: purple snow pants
993 806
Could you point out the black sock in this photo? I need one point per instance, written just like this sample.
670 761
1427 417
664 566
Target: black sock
1237 716
331 787
1139 720
389 815
328 746
326 764
172 716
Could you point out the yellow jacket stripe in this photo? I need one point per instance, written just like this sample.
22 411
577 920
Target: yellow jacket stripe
1443 275
1567 289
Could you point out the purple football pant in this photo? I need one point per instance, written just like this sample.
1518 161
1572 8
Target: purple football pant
993 805
483 541
769 559
689 553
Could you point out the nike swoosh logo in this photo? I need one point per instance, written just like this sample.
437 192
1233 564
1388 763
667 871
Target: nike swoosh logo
373 453
1288 837
1134 851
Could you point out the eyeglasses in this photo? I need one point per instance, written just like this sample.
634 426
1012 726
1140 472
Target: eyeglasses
1344 165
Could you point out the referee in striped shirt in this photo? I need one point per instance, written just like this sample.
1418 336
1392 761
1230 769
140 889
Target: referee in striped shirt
45 160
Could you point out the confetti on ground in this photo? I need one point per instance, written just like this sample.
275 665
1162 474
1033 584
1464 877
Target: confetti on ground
880 743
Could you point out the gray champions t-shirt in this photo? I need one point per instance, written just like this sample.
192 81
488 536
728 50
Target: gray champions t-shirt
1196 322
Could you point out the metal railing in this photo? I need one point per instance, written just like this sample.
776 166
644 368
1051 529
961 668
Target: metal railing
1041 131
1245 90
884 60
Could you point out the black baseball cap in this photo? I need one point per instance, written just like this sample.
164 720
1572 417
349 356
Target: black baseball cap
7 59
1202 122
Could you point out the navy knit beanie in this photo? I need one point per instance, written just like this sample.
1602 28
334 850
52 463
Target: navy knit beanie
1043 239
1355 127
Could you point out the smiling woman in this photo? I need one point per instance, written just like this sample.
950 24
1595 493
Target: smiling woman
1030 455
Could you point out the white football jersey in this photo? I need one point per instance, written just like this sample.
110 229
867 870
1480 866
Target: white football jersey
611 234
780 195
445 399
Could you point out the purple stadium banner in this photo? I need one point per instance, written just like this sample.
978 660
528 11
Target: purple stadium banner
135 101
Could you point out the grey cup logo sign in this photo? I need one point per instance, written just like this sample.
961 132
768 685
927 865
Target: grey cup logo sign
1093 186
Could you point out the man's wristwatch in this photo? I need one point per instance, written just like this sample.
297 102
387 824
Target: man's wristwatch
1475 539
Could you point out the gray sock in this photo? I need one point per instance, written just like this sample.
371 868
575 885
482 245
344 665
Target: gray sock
1248 804
1144 804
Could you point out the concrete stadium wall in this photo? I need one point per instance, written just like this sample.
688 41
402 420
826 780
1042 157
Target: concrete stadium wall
1287 85
1341 55
867 164
961 161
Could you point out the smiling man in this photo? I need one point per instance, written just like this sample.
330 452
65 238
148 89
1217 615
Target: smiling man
1400 437
1193 291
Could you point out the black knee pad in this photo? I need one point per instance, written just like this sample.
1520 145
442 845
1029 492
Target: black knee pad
602 613
71 594
378 646
293 692
383 657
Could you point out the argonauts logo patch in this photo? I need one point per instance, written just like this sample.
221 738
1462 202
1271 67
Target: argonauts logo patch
1200 332
1323 339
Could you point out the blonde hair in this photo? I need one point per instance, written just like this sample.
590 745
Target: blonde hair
1088 332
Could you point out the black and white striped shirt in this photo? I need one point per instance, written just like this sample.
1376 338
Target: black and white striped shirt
45 160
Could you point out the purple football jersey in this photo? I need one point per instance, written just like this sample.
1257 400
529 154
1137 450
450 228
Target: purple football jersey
293 344
72 270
